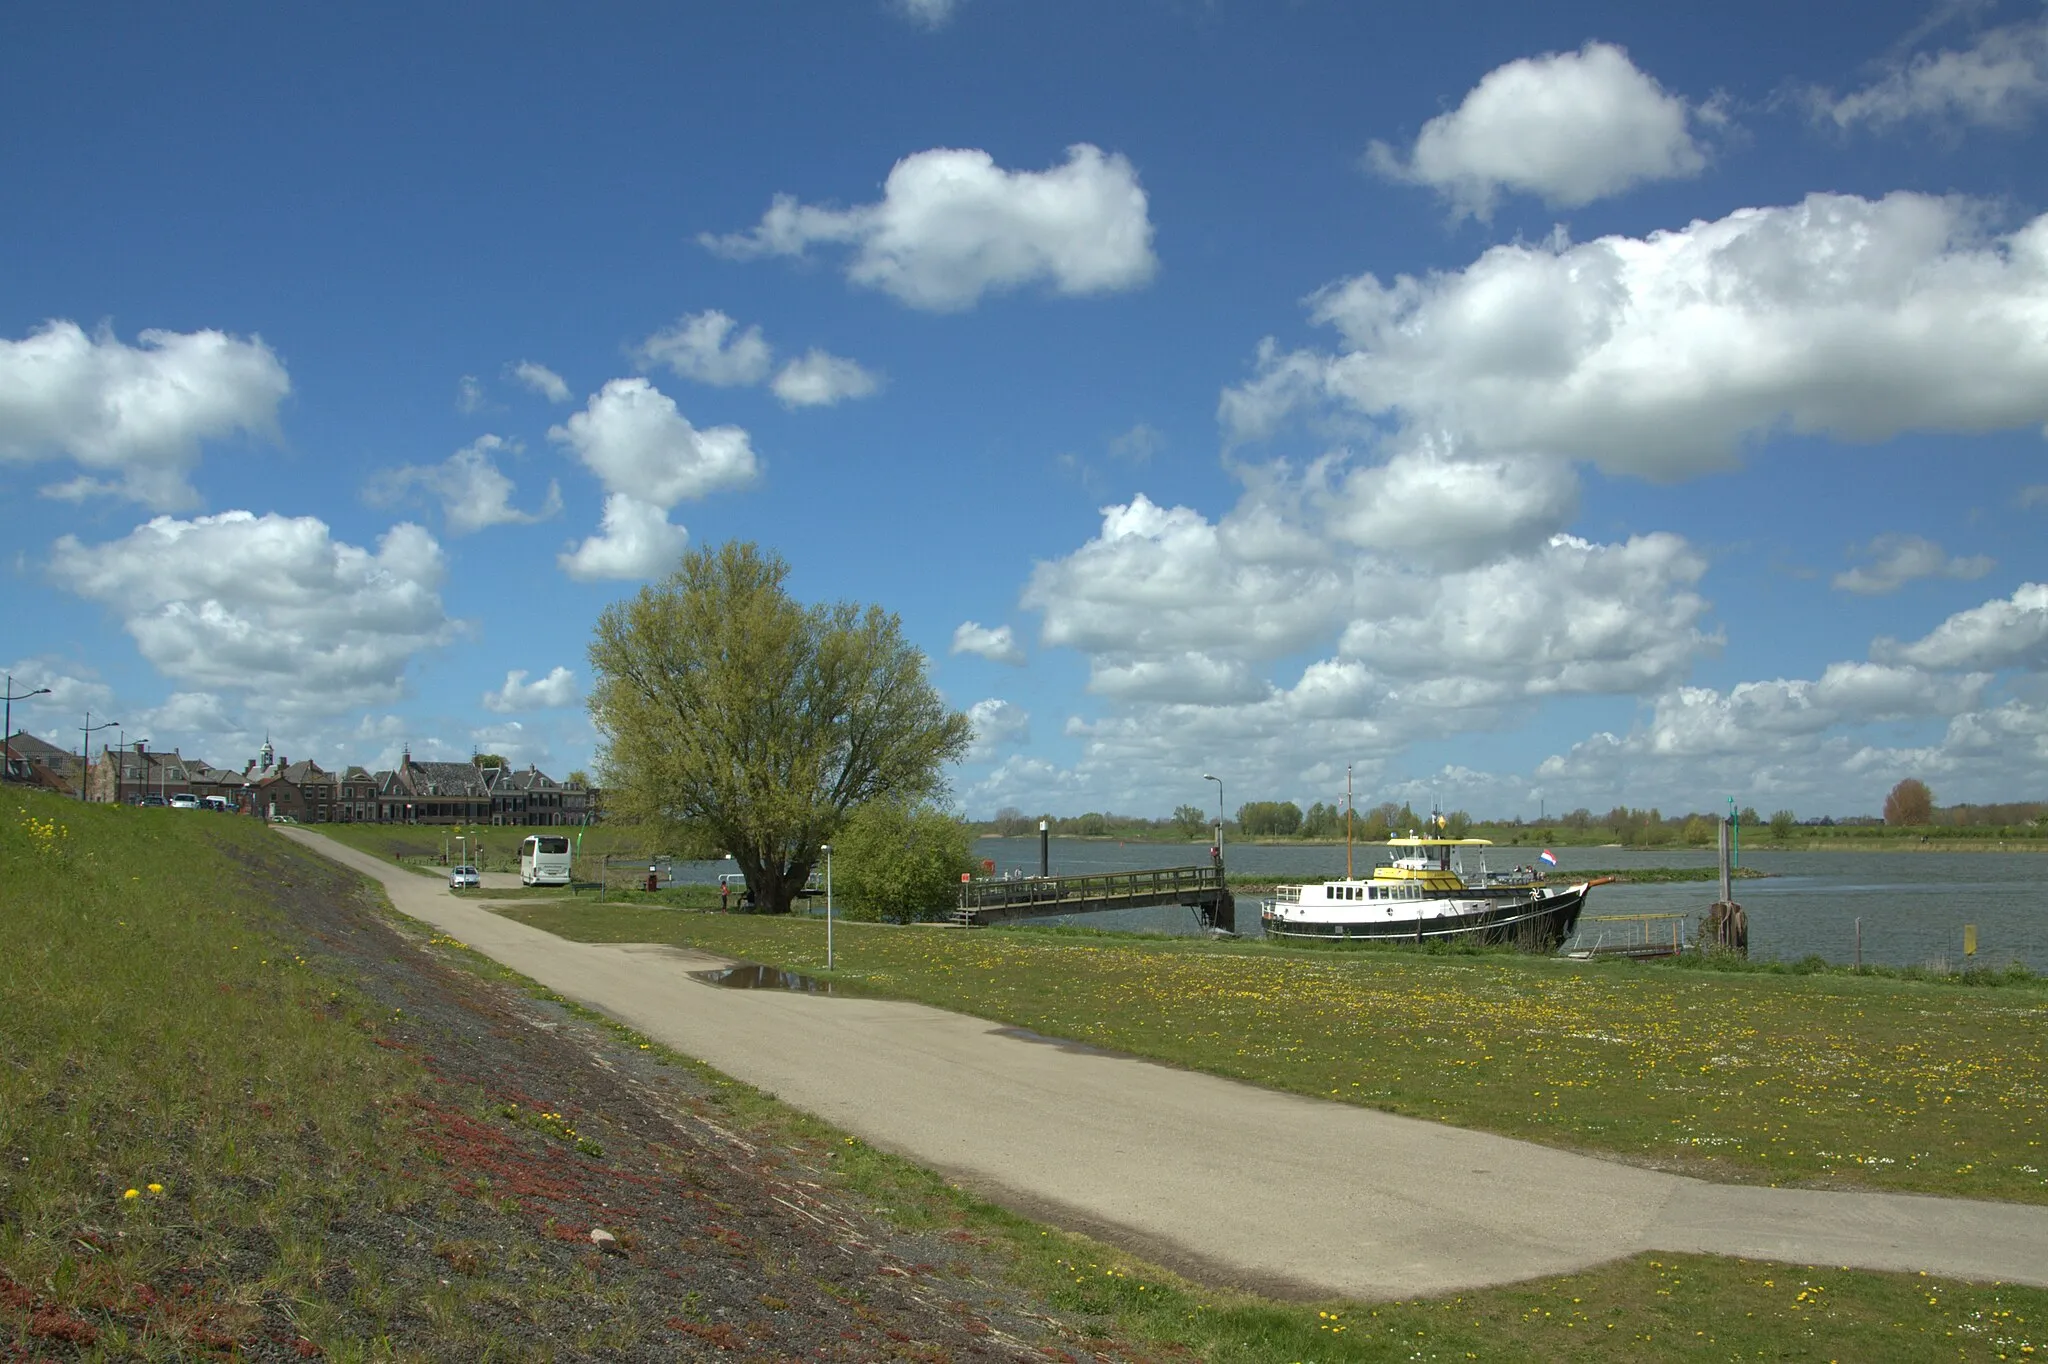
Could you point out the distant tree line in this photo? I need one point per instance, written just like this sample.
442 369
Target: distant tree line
1910 804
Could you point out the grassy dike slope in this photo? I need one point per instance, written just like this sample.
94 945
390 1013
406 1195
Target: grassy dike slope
243 1114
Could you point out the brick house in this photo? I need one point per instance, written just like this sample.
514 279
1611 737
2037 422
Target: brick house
532 797
303 790
40 763
356 802
29 761
126 775
439 793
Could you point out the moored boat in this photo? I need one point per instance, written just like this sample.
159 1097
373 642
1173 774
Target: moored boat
1422 895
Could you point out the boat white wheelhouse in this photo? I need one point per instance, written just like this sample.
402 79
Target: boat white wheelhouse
1422 894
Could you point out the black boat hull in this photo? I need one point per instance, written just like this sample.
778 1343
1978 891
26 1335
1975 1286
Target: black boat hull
1539 923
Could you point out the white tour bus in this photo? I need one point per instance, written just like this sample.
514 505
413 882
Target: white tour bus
544 860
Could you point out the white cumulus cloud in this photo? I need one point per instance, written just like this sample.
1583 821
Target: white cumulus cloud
132 416
473 492
1998 80
270 605
1574 617
632 436
998 724
952 226
2010 632
1454 513
999 645
709 348
636 540
1568 127
201 715
819 379
542 380
649 457
555 690
1896 560
73 690
1663 356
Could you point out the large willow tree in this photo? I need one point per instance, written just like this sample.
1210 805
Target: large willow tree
734 719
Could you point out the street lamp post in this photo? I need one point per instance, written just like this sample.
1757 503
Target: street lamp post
1219 812
827 850
7 728
85 733
141 746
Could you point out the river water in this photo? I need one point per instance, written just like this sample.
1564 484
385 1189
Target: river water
1913 905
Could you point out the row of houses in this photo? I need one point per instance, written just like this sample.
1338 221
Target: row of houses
273 785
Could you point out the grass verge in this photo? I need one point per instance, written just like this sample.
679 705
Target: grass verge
1831 1079
181 1095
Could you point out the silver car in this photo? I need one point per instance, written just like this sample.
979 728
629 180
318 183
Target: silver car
464 878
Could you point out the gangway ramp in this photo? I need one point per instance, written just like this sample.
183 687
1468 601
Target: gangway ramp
994 900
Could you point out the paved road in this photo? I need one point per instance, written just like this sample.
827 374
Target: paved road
1223 1181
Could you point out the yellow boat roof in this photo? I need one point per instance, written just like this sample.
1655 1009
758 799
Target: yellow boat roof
1418 841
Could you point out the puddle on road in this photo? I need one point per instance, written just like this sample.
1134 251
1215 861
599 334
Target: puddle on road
748 976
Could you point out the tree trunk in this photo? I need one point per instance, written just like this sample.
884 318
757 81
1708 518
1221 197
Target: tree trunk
774 886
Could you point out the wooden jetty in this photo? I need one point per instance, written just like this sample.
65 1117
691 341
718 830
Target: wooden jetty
995 900
1640 936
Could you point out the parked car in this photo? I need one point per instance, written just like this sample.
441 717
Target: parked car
158 801
184 800
464 878
282 819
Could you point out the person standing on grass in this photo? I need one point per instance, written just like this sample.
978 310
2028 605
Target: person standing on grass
724 895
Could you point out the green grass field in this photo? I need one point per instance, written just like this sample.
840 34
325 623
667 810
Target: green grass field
179 1084
176 1076
1829 1079
426 845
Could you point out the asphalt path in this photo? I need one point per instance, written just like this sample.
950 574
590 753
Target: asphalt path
1226 1182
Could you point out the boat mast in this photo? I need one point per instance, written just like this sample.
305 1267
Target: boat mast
1347 821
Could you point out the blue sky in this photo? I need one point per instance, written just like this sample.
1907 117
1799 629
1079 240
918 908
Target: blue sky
1569 404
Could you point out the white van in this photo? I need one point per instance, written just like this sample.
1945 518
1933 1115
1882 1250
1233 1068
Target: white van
544 860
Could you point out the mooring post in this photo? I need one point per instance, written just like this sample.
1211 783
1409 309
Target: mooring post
1859 942
1727 890
1044 848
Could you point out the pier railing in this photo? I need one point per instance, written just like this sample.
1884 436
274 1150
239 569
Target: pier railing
1102 890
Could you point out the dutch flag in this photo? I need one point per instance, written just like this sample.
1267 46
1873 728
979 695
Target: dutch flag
1548 859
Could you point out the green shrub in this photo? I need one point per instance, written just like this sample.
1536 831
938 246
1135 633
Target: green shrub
897 861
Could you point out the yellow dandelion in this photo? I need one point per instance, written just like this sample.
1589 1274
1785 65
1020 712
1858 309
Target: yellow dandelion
156 1188
132 1193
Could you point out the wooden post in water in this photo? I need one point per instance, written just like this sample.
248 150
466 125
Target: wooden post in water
1726 924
